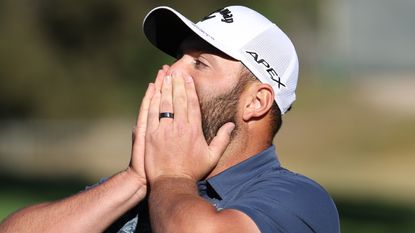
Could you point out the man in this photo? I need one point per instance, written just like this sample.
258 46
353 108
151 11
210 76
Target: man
202 149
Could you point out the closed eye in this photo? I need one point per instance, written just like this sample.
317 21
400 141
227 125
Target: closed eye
199 64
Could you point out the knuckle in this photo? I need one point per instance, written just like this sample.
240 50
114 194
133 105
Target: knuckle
165 105
180 99
178 126
182 128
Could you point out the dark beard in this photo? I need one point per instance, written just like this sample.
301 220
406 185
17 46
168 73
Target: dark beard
218 110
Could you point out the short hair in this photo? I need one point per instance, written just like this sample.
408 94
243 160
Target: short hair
276 118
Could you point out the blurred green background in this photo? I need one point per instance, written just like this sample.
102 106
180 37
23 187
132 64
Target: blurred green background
72 74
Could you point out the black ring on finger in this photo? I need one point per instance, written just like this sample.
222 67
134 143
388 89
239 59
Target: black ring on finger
166 115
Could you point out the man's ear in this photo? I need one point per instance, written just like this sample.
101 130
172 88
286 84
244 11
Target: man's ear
258 101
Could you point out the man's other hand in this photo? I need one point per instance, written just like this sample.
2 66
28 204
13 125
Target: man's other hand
176 147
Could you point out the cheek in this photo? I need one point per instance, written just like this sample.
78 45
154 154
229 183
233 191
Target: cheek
208 90
201 90
212 85
202 87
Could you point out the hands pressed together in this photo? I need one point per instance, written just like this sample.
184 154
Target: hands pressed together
173 147
163 150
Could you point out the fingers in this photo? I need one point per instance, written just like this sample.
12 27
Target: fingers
221 141
179 97
166 104
139 130
165 68
141 123
153 112
194 114
160 76
176 91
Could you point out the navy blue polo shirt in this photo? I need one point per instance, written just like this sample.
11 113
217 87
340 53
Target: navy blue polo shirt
276 199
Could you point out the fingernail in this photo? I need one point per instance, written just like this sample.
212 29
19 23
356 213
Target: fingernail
231 128
167 79
176 74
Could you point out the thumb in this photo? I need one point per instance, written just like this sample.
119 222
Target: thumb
221 141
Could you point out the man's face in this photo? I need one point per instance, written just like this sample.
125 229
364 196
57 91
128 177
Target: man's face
216 79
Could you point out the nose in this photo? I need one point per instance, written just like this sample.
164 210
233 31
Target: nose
182 65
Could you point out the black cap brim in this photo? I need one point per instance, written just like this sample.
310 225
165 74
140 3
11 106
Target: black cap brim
166 29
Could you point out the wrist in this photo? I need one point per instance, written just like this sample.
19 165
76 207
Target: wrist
182 178
173 184
133 175
136 181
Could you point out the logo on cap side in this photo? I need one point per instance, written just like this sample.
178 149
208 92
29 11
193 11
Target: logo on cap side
271 71
225 12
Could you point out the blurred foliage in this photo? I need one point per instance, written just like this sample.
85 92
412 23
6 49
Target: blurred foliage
64 59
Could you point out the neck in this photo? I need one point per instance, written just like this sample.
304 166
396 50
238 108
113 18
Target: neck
242 147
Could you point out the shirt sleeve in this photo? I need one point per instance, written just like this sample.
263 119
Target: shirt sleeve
136 220
270 216
294 205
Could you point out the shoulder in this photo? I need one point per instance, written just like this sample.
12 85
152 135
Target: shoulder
283 201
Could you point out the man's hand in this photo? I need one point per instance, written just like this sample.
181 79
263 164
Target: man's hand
176 147
95 209
136 166
176 156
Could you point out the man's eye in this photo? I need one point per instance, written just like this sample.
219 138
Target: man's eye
198 63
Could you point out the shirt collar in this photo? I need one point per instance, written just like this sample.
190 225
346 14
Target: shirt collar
240 173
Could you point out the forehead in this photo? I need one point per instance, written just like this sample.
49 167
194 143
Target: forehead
195 43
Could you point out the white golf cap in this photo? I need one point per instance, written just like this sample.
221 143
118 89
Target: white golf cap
239 32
